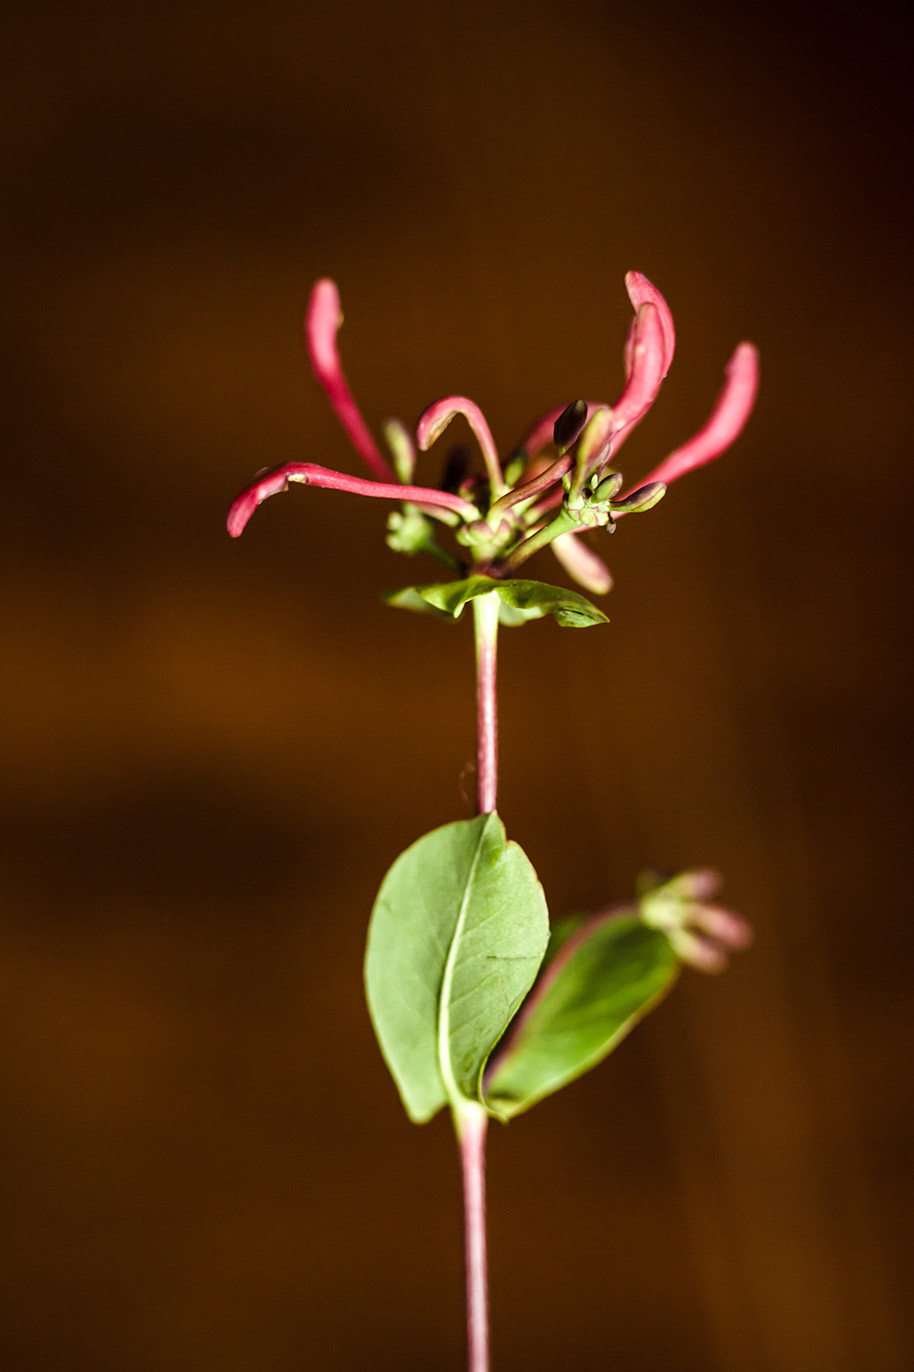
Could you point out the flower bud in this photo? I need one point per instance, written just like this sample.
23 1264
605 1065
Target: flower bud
408 531
401 446
569 424
700 934
609 486
516 464
594 445
645 498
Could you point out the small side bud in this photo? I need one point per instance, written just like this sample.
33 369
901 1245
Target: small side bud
595 442
700 884
700 934
516 465
609 487
569 425
401 447
645 498
408 531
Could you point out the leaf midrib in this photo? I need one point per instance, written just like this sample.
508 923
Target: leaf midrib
455 1095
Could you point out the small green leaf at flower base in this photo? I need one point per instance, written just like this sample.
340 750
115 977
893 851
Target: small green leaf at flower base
524 599
571 610
603 978
457 934
410 598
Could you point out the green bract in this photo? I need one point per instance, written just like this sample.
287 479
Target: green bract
520 600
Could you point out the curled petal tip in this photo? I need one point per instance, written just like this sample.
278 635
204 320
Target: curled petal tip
741 384
322 321
641 291
238 516
322 324
275 479
433 422
269 482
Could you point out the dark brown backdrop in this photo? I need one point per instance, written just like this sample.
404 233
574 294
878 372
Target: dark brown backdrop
211 751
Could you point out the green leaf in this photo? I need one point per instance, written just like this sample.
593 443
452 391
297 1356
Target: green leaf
409 598
572 611
512 617
521 599
457 934
604 977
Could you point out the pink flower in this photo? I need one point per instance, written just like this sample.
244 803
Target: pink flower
561 484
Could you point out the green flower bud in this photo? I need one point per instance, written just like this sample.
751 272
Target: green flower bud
515 468
610 486
643 499
402 450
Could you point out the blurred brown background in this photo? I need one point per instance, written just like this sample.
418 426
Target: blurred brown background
212 750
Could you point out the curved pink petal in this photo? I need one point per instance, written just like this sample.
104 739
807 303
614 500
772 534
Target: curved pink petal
733 408
269 482
433 422
647 352
276 479
584 566
643 292
322 323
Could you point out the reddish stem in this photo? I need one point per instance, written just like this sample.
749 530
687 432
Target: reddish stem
470 1118
471 1121
485 617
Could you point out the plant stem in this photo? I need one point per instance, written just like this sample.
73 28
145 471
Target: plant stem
470 1118
562 524
470 1123
485 619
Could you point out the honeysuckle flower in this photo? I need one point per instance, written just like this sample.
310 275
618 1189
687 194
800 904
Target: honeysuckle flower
555 485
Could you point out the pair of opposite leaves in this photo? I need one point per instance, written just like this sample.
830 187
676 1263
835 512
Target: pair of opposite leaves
458 934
